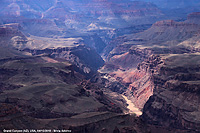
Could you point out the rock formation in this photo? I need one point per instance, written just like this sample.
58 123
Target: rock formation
175 99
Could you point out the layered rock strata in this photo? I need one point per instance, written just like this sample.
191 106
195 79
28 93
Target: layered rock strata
175 101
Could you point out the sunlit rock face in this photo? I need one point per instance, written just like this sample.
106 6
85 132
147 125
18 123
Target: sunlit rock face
128 75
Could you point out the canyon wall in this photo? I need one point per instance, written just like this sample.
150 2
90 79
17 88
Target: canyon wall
176 93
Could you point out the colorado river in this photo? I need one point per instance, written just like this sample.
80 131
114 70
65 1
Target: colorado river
131 107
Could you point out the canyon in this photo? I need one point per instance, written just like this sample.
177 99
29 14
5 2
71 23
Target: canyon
158 70
100 66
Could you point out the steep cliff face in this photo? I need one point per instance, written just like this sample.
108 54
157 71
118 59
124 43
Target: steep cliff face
175 101
128 75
